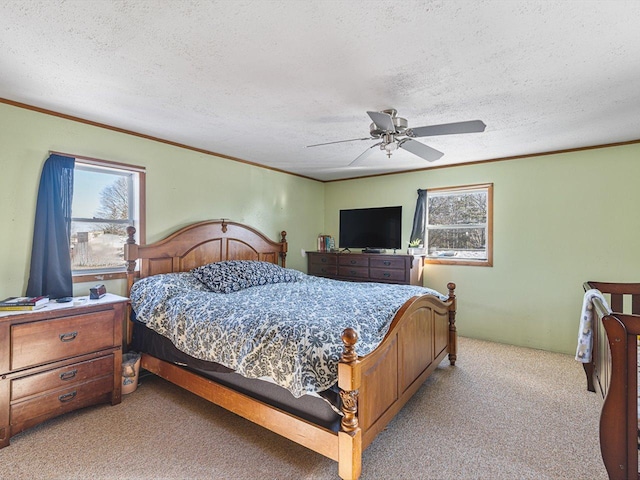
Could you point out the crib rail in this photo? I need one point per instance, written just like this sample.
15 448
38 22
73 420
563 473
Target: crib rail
619 418
618 292
622 298
614 372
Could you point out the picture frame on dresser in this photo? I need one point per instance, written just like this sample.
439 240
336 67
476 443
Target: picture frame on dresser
57 359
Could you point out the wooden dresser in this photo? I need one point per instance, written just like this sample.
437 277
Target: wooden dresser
58 359
366 267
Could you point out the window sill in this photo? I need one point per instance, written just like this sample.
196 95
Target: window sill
99 277
461 261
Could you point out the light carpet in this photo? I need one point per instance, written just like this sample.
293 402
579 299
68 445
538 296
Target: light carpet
502 412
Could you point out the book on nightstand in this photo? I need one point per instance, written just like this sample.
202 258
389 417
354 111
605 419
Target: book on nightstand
23 303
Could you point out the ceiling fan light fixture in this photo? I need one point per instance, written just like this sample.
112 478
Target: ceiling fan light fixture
390 146
394 132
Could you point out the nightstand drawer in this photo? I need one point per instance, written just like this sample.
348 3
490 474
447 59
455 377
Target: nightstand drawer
63 377
30 412
36 343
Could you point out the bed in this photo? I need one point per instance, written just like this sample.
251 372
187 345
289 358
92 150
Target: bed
370 388
613 374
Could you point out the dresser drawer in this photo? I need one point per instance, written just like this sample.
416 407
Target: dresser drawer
57 402
387 275
388 262
323 270
62 377
354 272
36 343
321 259
356 261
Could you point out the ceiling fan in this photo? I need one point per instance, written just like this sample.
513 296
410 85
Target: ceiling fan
394 132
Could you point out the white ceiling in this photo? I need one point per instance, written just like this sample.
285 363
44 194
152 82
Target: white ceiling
259 80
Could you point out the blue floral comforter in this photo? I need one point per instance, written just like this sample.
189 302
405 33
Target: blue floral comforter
289 332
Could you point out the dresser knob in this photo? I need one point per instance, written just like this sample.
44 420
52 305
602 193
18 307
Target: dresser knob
386 274
68 396
68 375
387 262
67 337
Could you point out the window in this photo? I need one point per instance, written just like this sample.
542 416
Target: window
107 197
459 225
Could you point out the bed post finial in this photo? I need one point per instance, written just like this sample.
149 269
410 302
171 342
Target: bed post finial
453 332
131 231
283 252
349 338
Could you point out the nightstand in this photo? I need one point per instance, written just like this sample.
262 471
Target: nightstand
58 359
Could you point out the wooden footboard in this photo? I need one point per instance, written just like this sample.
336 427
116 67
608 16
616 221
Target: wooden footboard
374 388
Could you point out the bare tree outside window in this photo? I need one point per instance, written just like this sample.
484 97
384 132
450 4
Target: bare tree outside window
114 204
101 211
459 224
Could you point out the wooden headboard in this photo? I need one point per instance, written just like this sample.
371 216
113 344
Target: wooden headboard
199 244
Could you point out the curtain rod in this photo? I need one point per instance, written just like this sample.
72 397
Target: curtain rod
98 161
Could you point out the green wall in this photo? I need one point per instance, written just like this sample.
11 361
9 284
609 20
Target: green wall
559 220
182 187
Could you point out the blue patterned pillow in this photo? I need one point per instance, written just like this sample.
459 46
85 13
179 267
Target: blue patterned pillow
233 275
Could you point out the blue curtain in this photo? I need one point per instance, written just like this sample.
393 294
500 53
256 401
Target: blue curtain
420 217
50 272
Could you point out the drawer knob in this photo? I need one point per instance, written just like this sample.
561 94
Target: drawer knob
67 397
323 260
387 262
353 262
386 274
352 272
68 375
67 337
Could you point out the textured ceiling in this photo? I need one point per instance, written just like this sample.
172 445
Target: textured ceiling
259 80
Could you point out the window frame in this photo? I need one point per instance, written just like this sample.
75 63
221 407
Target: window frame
488 262
111 273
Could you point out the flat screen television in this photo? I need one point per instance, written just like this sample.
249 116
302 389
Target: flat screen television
373 229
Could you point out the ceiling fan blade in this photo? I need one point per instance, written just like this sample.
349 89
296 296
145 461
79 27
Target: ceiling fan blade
420 149
360 158
471 126
339 141
383 121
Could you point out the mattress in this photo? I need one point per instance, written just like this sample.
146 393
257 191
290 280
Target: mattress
318 409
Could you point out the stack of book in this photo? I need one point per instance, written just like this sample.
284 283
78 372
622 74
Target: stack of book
23 303
325 243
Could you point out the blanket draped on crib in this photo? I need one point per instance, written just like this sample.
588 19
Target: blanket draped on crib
588 316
